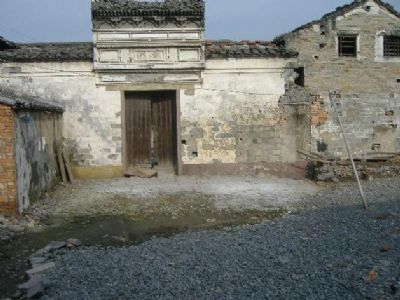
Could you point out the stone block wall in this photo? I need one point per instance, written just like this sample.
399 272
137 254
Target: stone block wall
369 84
8 200
371 123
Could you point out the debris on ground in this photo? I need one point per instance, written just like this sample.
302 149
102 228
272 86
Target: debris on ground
370 166
10 226
141 173
40 264
14 225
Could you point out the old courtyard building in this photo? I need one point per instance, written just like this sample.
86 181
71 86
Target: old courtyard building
355 51
150 91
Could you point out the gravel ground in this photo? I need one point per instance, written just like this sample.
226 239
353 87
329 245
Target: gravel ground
330 249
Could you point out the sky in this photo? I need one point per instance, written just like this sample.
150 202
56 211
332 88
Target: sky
69 20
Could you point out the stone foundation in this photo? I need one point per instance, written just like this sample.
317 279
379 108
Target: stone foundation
282 170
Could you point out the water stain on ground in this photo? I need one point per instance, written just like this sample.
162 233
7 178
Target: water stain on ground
117 230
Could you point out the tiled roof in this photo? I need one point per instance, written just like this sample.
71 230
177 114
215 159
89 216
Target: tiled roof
31 103
49 52
115 8
4 44
245 49
115 11
342 10
65 52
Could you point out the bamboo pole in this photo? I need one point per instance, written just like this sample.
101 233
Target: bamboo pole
332 98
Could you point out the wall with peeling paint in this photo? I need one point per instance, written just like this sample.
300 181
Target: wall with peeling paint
36 136
235 116
92 118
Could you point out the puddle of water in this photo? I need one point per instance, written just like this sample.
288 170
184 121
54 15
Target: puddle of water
113 231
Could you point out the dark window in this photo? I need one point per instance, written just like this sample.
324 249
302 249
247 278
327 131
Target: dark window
391 45
300 76
348 45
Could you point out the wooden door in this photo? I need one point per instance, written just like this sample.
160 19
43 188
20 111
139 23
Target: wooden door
163 117
137 129
150 129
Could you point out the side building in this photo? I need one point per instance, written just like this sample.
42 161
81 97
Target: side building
355 51
30 131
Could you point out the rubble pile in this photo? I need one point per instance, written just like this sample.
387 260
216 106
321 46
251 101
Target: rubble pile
342 170
11 226
40 263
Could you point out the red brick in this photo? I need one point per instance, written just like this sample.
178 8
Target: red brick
8 198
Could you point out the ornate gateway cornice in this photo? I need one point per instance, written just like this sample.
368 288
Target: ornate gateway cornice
141 14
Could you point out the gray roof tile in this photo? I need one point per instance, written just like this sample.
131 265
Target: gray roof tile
245 49
176 11
28 103
5 44
64 52
49 52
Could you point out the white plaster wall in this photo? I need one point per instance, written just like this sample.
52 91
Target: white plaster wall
236 109
92 118
237 95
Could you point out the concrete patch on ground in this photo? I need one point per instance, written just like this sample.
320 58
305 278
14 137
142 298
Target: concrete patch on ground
136 197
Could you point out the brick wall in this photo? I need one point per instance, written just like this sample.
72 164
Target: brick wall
8 201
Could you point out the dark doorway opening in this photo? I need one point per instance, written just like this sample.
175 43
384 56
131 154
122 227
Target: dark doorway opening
150 131
300 76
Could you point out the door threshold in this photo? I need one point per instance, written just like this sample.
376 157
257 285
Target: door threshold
141 172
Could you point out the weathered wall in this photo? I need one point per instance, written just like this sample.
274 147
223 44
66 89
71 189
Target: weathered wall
37 136
92 118
235 117
368 83
8 200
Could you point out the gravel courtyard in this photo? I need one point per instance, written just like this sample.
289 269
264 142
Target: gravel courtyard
329 249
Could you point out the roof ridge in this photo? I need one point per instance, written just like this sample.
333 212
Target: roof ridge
341 10
6 44
54 43
246 49
30 103
180 12
69 51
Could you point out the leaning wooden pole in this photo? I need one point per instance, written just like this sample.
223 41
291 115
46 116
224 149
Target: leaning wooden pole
332 97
